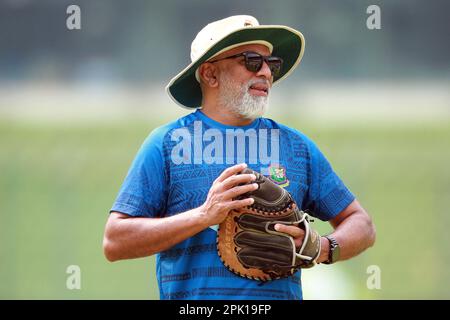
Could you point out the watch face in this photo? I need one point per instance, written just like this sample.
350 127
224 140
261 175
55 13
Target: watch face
334 250
335 254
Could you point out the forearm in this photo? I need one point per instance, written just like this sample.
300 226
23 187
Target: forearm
354 234
127 238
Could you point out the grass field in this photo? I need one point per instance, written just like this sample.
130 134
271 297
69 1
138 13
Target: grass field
58 183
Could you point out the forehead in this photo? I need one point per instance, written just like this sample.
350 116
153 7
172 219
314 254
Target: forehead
258 48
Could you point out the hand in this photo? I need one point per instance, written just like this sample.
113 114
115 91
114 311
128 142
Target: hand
224 189
297 233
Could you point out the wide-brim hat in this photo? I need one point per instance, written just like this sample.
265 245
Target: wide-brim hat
228 33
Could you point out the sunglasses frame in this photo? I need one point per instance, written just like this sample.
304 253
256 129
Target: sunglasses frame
262 58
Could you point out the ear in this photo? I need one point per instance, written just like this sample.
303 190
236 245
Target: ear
208 74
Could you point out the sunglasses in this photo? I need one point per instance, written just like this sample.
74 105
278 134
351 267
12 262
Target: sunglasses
254 62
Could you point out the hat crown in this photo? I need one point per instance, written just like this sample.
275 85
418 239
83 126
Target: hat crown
217 30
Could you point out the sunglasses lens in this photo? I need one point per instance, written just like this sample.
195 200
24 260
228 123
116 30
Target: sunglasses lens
253 62
274 65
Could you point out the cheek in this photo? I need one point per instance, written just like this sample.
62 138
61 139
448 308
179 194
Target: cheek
242 78
236 78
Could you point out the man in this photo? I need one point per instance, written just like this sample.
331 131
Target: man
184 180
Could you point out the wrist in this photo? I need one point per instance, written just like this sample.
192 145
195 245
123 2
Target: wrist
202 216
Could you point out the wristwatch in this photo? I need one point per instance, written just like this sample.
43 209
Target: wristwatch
334 253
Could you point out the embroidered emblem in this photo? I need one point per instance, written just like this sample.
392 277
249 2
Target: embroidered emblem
277 174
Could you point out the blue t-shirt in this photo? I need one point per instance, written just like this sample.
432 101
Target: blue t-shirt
173 171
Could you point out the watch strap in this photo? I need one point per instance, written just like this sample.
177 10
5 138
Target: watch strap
333 247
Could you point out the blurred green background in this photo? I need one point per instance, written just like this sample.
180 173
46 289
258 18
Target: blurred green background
75 107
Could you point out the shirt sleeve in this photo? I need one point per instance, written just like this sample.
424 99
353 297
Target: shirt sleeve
144 190
327 195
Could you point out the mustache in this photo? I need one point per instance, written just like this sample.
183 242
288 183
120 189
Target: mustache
258 81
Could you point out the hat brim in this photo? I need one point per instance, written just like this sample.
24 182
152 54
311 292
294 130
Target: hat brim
287 44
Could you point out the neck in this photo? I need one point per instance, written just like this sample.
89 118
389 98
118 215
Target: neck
226 118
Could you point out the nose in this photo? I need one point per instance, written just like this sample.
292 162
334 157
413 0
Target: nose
265 71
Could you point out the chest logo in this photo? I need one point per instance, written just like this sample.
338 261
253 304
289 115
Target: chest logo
277 174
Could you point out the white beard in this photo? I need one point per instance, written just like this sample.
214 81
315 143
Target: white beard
239 101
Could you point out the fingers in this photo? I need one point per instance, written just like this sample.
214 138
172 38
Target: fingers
294 231
236 204
228 172
237 179
239 190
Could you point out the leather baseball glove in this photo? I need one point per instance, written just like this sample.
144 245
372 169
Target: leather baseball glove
248 244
